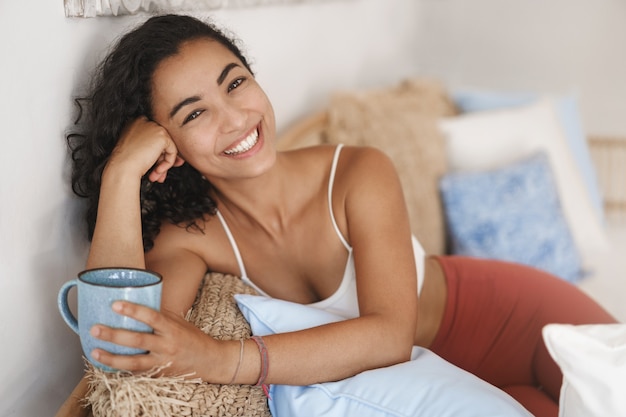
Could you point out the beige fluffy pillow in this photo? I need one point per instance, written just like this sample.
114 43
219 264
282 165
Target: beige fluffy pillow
215 313
402 121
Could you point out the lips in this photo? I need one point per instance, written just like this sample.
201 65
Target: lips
245 145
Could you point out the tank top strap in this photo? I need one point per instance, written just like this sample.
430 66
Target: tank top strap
242 269
231 239
331 181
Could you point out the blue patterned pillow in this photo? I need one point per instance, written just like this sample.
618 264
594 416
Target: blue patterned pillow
511 214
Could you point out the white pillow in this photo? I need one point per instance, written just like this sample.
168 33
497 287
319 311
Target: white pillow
592 358
425 386
492 139
473 100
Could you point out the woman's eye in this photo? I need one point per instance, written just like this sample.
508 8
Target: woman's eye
235 84
192 116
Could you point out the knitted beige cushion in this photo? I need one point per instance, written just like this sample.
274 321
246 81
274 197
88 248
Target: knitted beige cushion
215 313
402 121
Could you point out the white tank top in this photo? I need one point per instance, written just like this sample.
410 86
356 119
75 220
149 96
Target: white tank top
343 301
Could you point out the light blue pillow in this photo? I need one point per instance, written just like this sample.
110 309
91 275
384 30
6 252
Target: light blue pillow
569 116
425 386
511 214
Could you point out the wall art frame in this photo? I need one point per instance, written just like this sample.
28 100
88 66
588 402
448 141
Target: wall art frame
94 8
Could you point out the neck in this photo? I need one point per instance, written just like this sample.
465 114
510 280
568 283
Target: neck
260 202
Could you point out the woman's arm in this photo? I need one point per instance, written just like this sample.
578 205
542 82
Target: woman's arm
117 239
73 405
371 210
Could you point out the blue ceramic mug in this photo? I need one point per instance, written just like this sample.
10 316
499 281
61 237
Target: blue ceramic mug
97 290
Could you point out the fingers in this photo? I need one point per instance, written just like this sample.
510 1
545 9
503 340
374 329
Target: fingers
122 337
179 161
163 165
126 338
168 159
147 146
133 339
172 343
131 363
158 174
138 312
129 338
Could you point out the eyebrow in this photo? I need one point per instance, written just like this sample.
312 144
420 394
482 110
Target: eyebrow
182 104
225 72
193 99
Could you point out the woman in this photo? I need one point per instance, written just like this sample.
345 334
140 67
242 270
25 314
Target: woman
182 177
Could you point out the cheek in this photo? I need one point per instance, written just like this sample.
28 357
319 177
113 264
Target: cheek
185 146
196 143
261 101
267 110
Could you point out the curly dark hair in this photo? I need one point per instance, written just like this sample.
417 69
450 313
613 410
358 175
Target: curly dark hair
121 92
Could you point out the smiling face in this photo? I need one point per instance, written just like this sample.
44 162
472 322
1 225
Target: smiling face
218 116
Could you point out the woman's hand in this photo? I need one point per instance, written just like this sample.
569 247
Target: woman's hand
146 146
175 342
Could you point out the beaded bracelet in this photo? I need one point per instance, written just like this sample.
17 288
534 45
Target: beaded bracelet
265 363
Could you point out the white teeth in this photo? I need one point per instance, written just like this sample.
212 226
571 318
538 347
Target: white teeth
244 145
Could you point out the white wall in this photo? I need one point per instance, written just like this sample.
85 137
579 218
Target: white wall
300 54
558 46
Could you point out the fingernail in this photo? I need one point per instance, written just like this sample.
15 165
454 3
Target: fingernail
117 306
95 354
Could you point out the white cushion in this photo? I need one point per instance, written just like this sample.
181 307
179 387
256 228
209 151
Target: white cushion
593 361
425 386
473 100
493 139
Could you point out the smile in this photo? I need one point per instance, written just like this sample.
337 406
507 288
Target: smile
245 145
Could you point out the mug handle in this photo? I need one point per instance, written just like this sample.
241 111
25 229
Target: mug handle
64 308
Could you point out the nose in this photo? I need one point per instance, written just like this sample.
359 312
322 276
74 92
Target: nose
232 117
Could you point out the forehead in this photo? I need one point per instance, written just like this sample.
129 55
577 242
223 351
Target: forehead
196 57
196 66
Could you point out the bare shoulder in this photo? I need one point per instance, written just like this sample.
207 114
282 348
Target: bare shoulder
191 240
310 165
180 256
173 237
353 159
358 167
365 155
365 181
175 252
364 166
310 153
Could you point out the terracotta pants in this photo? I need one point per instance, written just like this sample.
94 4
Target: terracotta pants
492 326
